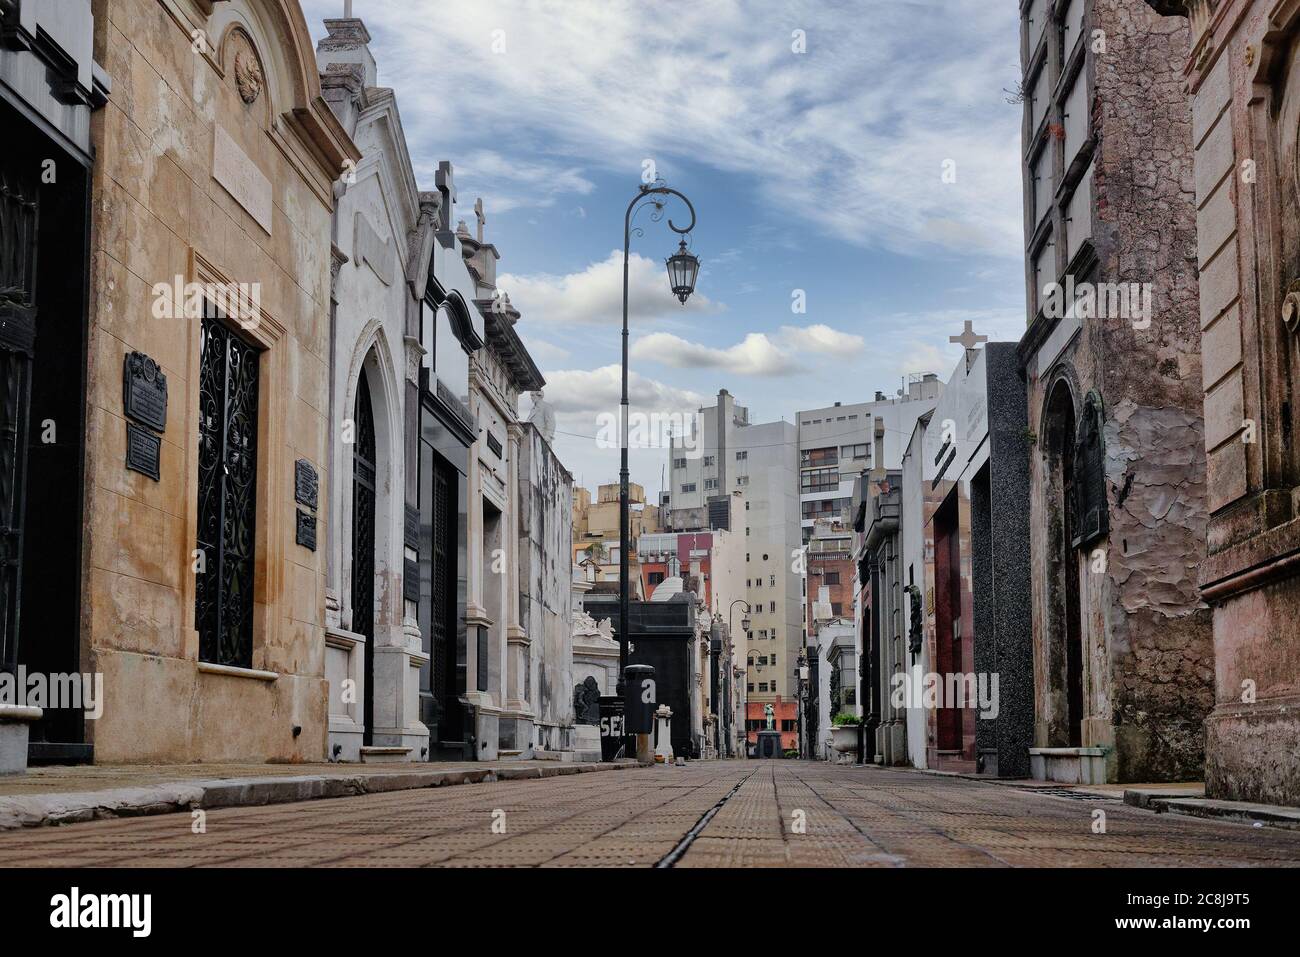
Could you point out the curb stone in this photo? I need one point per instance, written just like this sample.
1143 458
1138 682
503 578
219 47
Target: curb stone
78 806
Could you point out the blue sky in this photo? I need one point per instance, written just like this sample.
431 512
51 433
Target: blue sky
818 170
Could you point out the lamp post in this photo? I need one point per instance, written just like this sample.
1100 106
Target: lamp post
683 269
725 707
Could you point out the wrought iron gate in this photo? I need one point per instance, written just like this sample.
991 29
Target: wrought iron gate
19 221
443 651
228 401
363 542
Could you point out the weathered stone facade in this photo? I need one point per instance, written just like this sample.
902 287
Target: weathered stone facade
1123 653
546 588
217 158
1242 71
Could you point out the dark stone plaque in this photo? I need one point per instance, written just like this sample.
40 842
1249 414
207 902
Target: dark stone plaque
143 451
144 391
411 527
306 533
1091 511
306 483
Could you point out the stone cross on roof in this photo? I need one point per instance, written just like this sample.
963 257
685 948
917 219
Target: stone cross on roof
968 338
478 214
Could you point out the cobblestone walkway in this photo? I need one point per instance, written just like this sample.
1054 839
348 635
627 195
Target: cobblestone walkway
748 814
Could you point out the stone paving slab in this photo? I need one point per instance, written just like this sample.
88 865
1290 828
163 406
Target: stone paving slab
707 814
64 795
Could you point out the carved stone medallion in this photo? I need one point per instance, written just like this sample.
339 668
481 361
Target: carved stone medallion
248 75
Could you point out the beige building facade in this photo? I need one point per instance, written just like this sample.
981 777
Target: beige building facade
210 262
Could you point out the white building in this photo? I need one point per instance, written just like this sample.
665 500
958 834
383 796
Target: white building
383 230
731 474
839 443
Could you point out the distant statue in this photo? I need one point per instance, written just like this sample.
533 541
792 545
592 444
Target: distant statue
586 702
770 713
542 416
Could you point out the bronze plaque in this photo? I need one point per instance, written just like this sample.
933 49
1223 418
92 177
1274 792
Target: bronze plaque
143 451
144 391
306 484
306 533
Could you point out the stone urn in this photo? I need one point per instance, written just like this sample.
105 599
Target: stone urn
844 739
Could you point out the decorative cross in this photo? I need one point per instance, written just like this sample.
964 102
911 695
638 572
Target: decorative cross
968 338
478 214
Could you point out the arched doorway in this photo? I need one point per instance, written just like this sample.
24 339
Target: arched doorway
363 542
1065 623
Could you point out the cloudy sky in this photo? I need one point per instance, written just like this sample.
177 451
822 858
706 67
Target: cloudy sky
813 139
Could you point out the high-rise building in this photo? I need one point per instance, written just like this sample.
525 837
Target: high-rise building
731 474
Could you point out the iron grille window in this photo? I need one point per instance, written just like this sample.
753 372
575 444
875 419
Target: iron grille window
223 593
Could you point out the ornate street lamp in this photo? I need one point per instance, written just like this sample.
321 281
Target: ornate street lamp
683 268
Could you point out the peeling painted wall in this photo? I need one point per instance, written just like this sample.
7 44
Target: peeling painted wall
1148 655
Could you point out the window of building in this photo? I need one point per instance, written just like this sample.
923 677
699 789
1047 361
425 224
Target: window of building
858 451
750 688
787 724
746 529
742 480
688 487
811 458
656 578
837 608
772 580
229 381
764 557
762 660
742 456
819 480
710 484
710 460
773 607
831 578
762 687
679 463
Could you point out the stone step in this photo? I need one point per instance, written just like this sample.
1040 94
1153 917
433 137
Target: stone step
385 755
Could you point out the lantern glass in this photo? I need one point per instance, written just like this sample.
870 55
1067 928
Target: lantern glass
744 624
683 269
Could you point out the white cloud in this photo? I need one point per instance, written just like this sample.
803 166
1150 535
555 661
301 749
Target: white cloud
595 295
589 392
543 352
850 136
756 355
822 339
